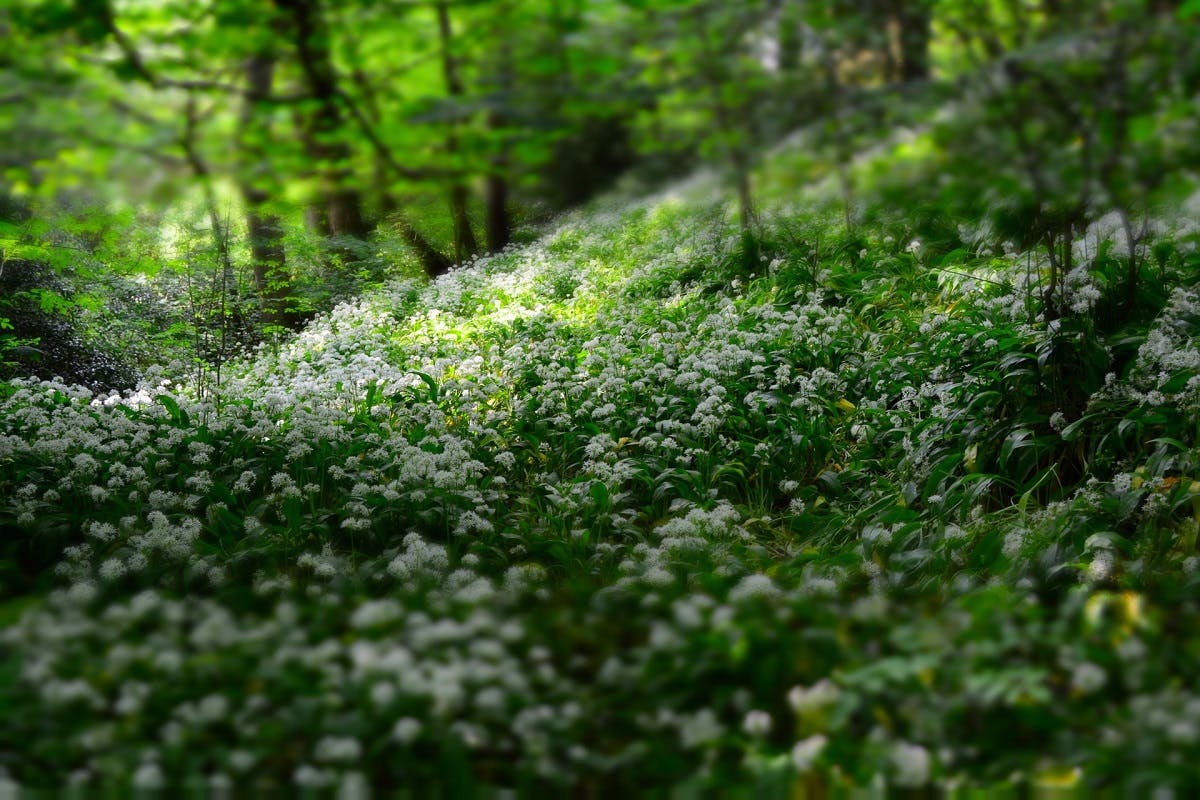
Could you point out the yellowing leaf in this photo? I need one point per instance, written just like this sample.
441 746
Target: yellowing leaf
1059 777
1134 608
970 455
1139 477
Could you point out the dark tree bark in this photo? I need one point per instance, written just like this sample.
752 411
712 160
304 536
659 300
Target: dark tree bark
913 21
324 128
464 238
499 223
323 135
264 228
432 259
788 37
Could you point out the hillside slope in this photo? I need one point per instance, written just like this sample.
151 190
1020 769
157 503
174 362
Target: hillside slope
648 502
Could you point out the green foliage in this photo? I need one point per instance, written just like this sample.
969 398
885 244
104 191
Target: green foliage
898 485
682 503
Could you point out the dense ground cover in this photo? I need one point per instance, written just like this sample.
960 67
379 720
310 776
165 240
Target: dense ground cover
647 503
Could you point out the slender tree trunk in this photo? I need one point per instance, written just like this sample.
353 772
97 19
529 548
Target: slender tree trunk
892 33
210 344
465 245
204 176
346 216
915 20
735 142
324 127
741 168
788 38
499 223
264 228
316 219
841 141
464 238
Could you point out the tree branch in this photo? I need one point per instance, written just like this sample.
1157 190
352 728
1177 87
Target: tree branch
133 58
384 152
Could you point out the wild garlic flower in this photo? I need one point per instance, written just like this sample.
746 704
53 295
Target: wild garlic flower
806 752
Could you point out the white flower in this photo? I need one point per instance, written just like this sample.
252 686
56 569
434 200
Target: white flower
753 586
1182 732
1088 677
338 749
354 786
383 693
807 751
757 723
1101 568
821 694
149 777
112 569
912 765
374 613
307 776
241 760
700 728
406 730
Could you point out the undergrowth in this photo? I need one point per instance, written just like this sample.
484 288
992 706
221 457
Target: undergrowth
651 502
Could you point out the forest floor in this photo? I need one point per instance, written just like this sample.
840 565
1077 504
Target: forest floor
647 503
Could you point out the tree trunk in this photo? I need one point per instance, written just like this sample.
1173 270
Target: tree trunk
498 220
499 225
346 213
741 169
788 38
323 134
915 20
734 140
465 245
434 262
264 228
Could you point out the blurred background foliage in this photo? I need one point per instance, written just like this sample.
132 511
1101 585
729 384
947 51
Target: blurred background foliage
190 177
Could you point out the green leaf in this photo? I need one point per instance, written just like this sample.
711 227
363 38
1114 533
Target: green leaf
1014 441
430 382
600 494
1072 431
178 415
1143 129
